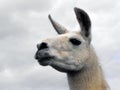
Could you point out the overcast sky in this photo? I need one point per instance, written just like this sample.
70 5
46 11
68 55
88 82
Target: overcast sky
24 23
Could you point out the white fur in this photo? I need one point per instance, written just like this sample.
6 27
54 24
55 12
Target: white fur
78 61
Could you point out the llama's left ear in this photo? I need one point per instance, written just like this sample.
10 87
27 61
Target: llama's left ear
85 23
59 28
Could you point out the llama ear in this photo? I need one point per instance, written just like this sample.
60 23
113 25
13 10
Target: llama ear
84 22
59 28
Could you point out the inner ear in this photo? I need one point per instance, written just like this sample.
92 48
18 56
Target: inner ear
85 23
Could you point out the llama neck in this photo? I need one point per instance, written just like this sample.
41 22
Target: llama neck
88 78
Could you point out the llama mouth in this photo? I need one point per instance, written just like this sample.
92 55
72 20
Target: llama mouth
44 61
43 58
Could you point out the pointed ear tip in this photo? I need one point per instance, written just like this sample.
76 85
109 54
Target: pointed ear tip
76 9
49 16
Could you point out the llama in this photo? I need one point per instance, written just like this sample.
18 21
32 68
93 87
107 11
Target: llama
72 53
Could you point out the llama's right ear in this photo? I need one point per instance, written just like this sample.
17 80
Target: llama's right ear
59 28
85 23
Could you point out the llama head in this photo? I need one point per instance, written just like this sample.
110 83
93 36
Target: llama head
70 50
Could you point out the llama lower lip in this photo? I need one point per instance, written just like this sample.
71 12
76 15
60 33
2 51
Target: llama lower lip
44 63
45 60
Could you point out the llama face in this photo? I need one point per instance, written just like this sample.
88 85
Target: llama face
64 53
70 50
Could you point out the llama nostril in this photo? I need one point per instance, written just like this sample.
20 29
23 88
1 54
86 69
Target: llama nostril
41 46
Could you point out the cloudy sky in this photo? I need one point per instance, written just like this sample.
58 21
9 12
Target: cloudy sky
24 23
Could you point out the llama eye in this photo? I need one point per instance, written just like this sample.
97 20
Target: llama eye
75 41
